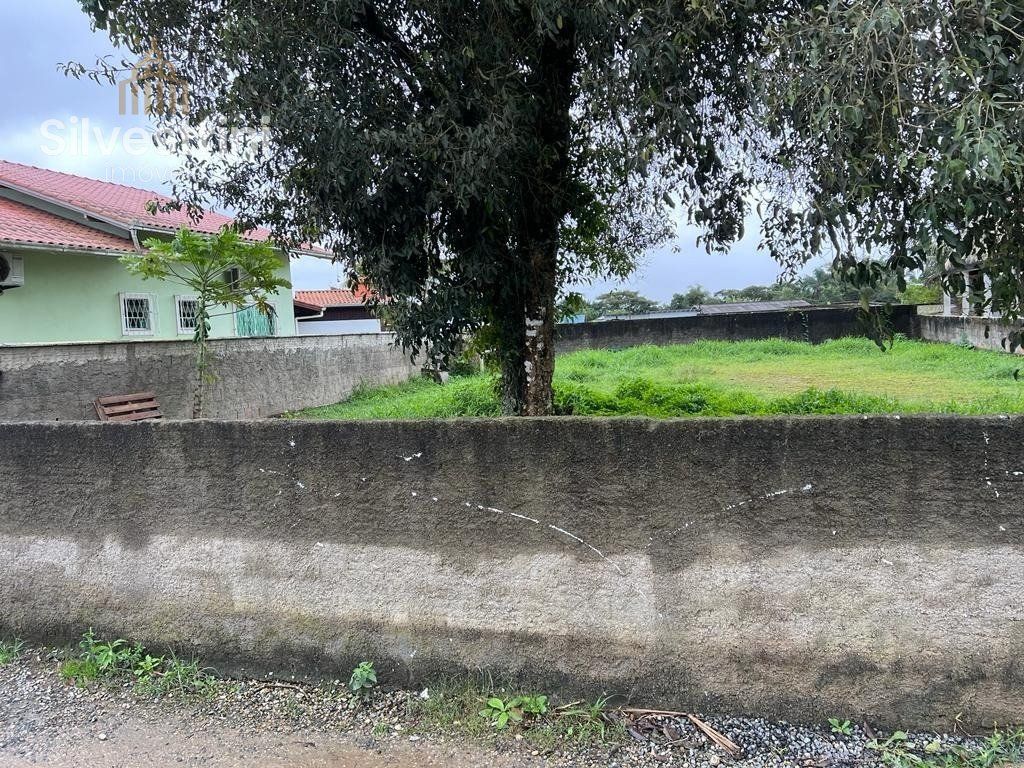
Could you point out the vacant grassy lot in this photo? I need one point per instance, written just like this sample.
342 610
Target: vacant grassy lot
731 378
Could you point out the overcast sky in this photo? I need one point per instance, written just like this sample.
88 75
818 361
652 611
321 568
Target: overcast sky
43 113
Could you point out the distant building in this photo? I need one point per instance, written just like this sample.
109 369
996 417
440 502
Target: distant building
714 309
334 311
961 305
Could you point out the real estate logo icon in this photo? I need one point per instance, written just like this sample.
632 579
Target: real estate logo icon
154 87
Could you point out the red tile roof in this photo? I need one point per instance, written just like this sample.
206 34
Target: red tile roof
117 202
333 297
23 224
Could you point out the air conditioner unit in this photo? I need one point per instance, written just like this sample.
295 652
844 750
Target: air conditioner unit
12 271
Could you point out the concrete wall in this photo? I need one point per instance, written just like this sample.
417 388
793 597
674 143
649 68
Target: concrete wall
815 325
979 332
800 567
335 327
257 377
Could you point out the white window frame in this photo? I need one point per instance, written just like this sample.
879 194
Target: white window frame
151 300
178 301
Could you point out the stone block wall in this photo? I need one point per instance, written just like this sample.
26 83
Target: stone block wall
256 377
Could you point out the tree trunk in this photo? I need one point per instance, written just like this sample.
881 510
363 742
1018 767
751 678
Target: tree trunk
529 360
203 362
197 399
197 395
539 357
538 397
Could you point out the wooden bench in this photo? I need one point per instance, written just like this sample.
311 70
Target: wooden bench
135 407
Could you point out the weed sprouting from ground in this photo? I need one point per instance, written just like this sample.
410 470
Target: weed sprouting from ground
448 706
10 650
999 748
363 680
119 661
717 378
481 710
842 727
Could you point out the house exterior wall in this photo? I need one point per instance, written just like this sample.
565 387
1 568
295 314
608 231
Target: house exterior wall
74 297
347 313
331 327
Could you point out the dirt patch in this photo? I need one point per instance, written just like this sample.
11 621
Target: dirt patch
45 721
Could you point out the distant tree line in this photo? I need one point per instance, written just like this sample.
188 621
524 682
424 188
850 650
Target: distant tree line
818 287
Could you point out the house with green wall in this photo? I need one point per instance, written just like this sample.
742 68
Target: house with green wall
61 238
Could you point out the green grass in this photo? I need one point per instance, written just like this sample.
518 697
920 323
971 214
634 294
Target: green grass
715 378
10 651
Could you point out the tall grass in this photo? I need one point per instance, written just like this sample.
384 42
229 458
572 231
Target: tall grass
714 378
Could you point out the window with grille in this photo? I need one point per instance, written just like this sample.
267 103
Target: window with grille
137 310
186 309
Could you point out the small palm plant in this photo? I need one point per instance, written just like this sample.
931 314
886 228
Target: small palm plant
202 264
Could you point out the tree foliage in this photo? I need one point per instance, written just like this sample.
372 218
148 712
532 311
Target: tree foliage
466 158
621 303
221 271
694 296
892 139
821 286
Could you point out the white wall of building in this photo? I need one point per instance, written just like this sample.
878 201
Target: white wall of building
334 327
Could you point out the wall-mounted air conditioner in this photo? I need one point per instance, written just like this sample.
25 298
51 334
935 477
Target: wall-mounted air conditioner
12 271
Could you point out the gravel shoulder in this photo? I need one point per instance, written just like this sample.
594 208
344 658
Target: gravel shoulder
45 721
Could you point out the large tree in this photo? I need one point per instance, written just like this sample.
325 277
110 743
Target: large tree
465 158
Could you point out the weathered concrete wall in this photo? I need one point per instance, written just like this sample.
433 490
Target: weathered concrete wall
815 325
804 567
979 332
257 377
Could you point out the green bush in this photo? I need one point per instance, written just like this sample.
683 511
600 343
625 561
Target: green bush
816 401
